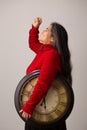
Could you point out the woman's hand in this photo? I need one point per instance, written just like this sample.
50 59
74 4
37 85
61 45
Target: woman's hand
37 21
25 115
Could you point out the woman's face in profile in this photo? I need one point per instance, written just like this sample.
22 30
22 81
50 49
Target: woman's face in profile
45 36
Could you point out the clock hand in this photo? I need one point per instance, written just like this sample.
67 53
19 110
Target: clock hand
44 102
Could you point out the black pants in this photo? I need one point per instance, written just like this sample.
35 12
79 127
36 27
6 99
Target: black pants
61 126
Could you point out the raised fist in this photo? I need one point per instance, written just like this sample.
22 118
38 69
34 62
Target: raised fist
37 21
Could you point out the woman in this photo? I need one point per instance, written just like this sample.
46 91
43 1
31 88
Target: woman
52 57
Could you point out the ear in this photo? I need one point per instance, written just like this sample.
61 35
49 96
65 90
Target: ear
52 39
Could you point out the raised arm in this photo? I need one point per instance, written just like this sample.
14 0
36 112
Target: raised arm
33 41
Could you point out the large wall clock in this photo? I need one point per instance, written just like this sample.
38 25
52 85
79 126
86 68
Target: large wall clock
55 106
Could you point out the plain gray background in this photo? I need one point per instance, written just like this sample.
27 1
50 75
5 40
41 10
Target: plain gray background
16 17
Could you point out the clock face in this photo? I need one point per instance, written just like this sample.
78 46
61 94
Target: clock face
54 107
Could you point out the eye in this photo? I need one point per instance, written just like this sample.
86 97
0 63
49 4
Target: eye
47 28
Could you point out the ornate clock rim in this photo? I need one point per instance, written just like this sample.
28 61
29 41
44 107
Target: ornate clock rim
23 82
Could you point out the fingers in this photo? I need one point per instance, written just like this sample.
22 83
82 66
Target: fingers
29 116
21 111
25 115
37 22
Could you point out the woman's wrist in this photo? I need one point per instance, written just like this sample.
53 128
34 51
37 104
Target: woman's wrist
36 26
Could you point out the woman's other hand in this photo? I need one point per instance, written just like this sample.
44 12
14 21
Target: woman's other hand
25 115
37 21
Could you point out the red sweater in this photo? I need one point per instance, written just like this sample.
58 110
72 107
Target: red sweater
48 60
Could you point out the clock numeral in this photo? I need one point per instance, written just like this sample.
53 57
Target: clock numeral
58 112
62 93
27 93
31 85
22 103
36 116
63 103
33 82
43 118
50 117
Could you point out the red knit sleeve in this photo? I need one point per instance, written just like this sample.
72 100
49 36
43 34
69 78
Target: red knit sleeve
48 73
33 41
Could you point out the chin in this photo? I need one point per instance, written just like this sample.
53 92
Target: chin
40 40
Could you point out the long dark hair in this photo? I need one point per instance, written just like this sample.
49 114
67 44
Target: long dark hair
61 43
